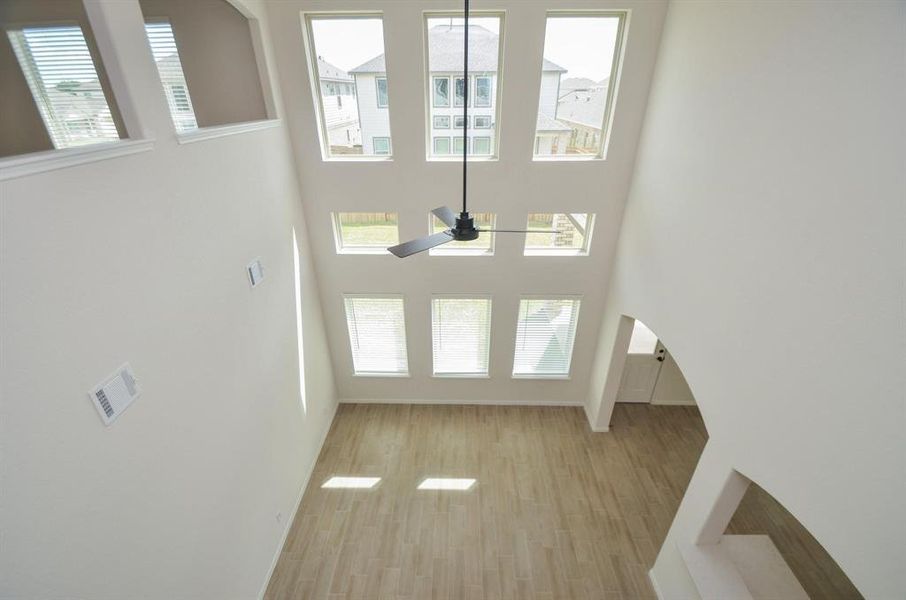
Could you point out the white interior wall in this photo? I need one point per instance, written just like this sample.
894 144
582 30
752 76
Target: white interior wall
512 186
142 258
763 241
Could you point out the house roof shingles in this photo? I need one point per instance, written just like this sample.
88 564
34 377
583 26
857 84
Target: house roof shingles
583 107
327 71
445 51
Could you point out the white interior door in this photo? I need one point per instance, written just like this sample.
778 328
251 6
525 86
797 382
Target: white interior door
643 365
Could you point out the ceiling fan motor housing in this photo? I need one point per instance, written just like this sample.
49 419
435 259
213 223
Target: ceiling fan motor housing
465 228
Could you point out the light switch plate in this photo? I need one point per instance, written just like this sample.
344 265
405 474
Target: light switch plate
255 271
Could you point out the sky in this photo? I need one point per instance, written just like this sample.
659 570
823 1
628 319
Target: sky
582 45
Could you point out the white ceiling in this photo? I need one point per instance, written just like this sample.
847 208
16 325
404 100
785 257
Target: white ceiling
512 186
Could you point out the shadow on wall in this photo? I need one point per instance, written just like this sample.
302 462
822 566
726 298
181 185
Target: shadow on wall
760 514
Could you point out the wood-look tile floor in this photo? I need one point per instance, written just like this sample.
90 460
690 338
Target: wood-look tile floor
557 511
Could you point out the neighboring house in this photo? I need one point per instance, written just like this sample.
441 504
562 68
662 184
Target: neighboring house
446 91
583 112
580 83
338 97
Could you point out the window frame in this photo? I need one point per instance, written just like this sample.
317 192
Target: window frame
467 120
616 75
378 374
447 139
553 251
577 300
466 141
447 117
377 92
488 126
111 102
375 138
489 338
481 137
311 56
467 100
490 80
434 79
496 104
359 250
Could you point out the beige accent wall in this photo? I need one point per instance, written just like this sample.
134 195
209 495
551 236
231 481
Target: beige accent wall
21 128
218 59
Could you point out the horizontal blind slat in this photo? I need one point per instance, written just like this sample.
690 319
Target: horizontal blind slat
545 334
169 67
377 335
461 329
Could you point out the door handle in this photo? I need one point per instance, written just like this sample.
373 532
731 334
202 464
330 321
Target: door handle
660 359
660 355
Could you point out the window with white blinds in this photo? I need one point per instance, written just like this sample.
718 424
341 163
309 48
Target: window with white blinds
169 67
377 335
64 82
461 328
544 336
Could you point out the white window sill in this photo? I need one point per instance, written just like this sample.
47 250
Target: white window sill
457 158
363 251
540 376
218 131
391 375
51 160
566 157
460 253
375 158
568 253
461 375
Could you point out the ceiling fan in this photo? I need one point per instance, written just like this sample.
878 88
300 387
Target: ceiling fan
461 228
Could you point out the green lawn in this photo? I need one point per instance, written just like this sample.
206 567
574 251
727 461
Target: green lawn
366 234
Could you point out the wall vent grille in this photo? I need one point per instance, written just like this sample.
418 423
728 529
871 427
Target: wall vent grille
115 394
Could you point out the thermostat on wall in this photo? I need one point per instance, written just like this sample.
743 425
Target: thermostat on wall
256 272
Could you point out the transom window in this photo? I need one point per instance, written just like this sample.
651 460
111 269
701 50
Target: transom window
346 58
377 335
573 234
461 332
445 34
64 83
545 333
578 78
169 67
365 233
482 246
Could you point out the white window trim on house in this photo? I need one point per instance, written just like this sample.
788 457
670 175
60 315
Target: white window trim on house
443 139
481 137
616 71
435 79
475 92
377 92
389 145
481 118
582 251
461 119
443 119
577 300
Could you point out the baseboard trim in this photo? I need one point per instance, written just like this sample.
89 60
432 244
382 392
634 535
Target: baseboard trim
461 402
600 429
289 522
657 588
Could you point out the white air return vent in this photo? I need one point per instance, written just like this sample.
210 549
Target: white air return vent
115 394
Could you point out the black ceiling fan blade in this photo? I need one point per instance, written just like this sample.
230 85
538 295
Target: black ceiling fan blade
446 215
518 231
421 244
